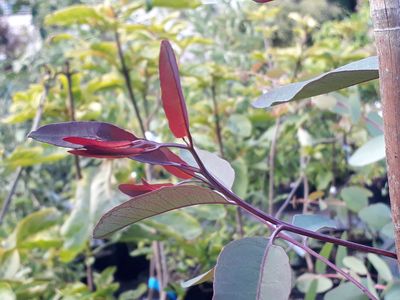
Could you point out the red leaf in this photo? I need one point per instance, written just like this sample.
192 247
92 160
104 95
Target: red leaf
136 189
96 143
171 92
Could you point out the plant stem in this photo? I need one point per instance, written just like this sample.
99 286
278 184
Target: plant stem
271 167
125 72
386 20
288 227
239 221
71 110
35 125
289 197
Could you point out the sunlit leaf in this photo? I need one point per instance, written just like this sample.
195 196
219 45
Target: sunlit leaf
370 152
345 76
207 276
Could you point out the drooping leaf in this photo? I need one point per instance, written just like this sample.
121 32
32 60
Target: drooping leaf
345 76
370 152
313 222
55 134
171 92
376 215
381 266
241 272
356 197
154 203
207 276
345 291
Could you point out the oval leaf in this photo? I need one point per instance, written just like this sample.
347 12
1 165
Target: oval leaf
252 277
54 134
154 203
370 152
171 92
345 76
313 222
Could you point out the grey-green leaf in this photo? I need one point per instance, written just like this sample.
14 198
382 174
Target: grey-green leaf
370 152
345 76
313 222
240 270
345 291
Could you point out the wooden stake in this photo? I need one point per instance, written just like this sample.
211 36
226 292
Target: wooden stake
386 19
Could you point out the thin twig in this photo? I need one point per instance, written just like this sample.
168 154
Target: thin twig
125 72
71 110
271 167
289 197
35 125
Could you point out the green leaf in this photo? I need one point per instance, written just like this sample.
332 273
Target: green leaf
76 14
241 183
180 4
355 264
207 276
240 125
381 266
320 267
313 222
341 252
6 293
356 197
154 203
242 272
33 224
9 263
392 292
345 291
312 291
370 152
376 215
345 76
304 282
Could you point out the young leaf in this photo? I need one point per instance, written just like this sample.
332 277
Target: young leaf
345 76
154 203
134 190
171 92
55 134
243 273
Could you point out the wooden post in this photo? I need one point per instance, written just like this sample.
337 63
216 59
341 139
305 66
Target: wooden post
386 20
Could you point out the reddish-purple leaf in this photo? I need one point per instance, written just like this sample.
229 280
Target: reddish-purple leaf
134 190
96 143
171 92
154 203
55 133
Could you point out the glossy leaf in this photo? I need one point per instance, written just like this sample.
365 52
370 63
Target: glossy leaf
370 152
345 76
253 277
171 92
313 222
207 276
55 134
152 204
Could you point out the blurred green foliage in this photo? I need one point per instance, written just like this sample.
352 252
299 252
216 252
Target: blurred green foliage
228 51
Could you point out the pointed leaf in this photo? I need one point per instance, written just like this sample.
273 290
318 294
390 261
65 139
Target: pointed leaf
242 273
370 152
207 276
154 203
171 92
134 190
55 133
345 76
